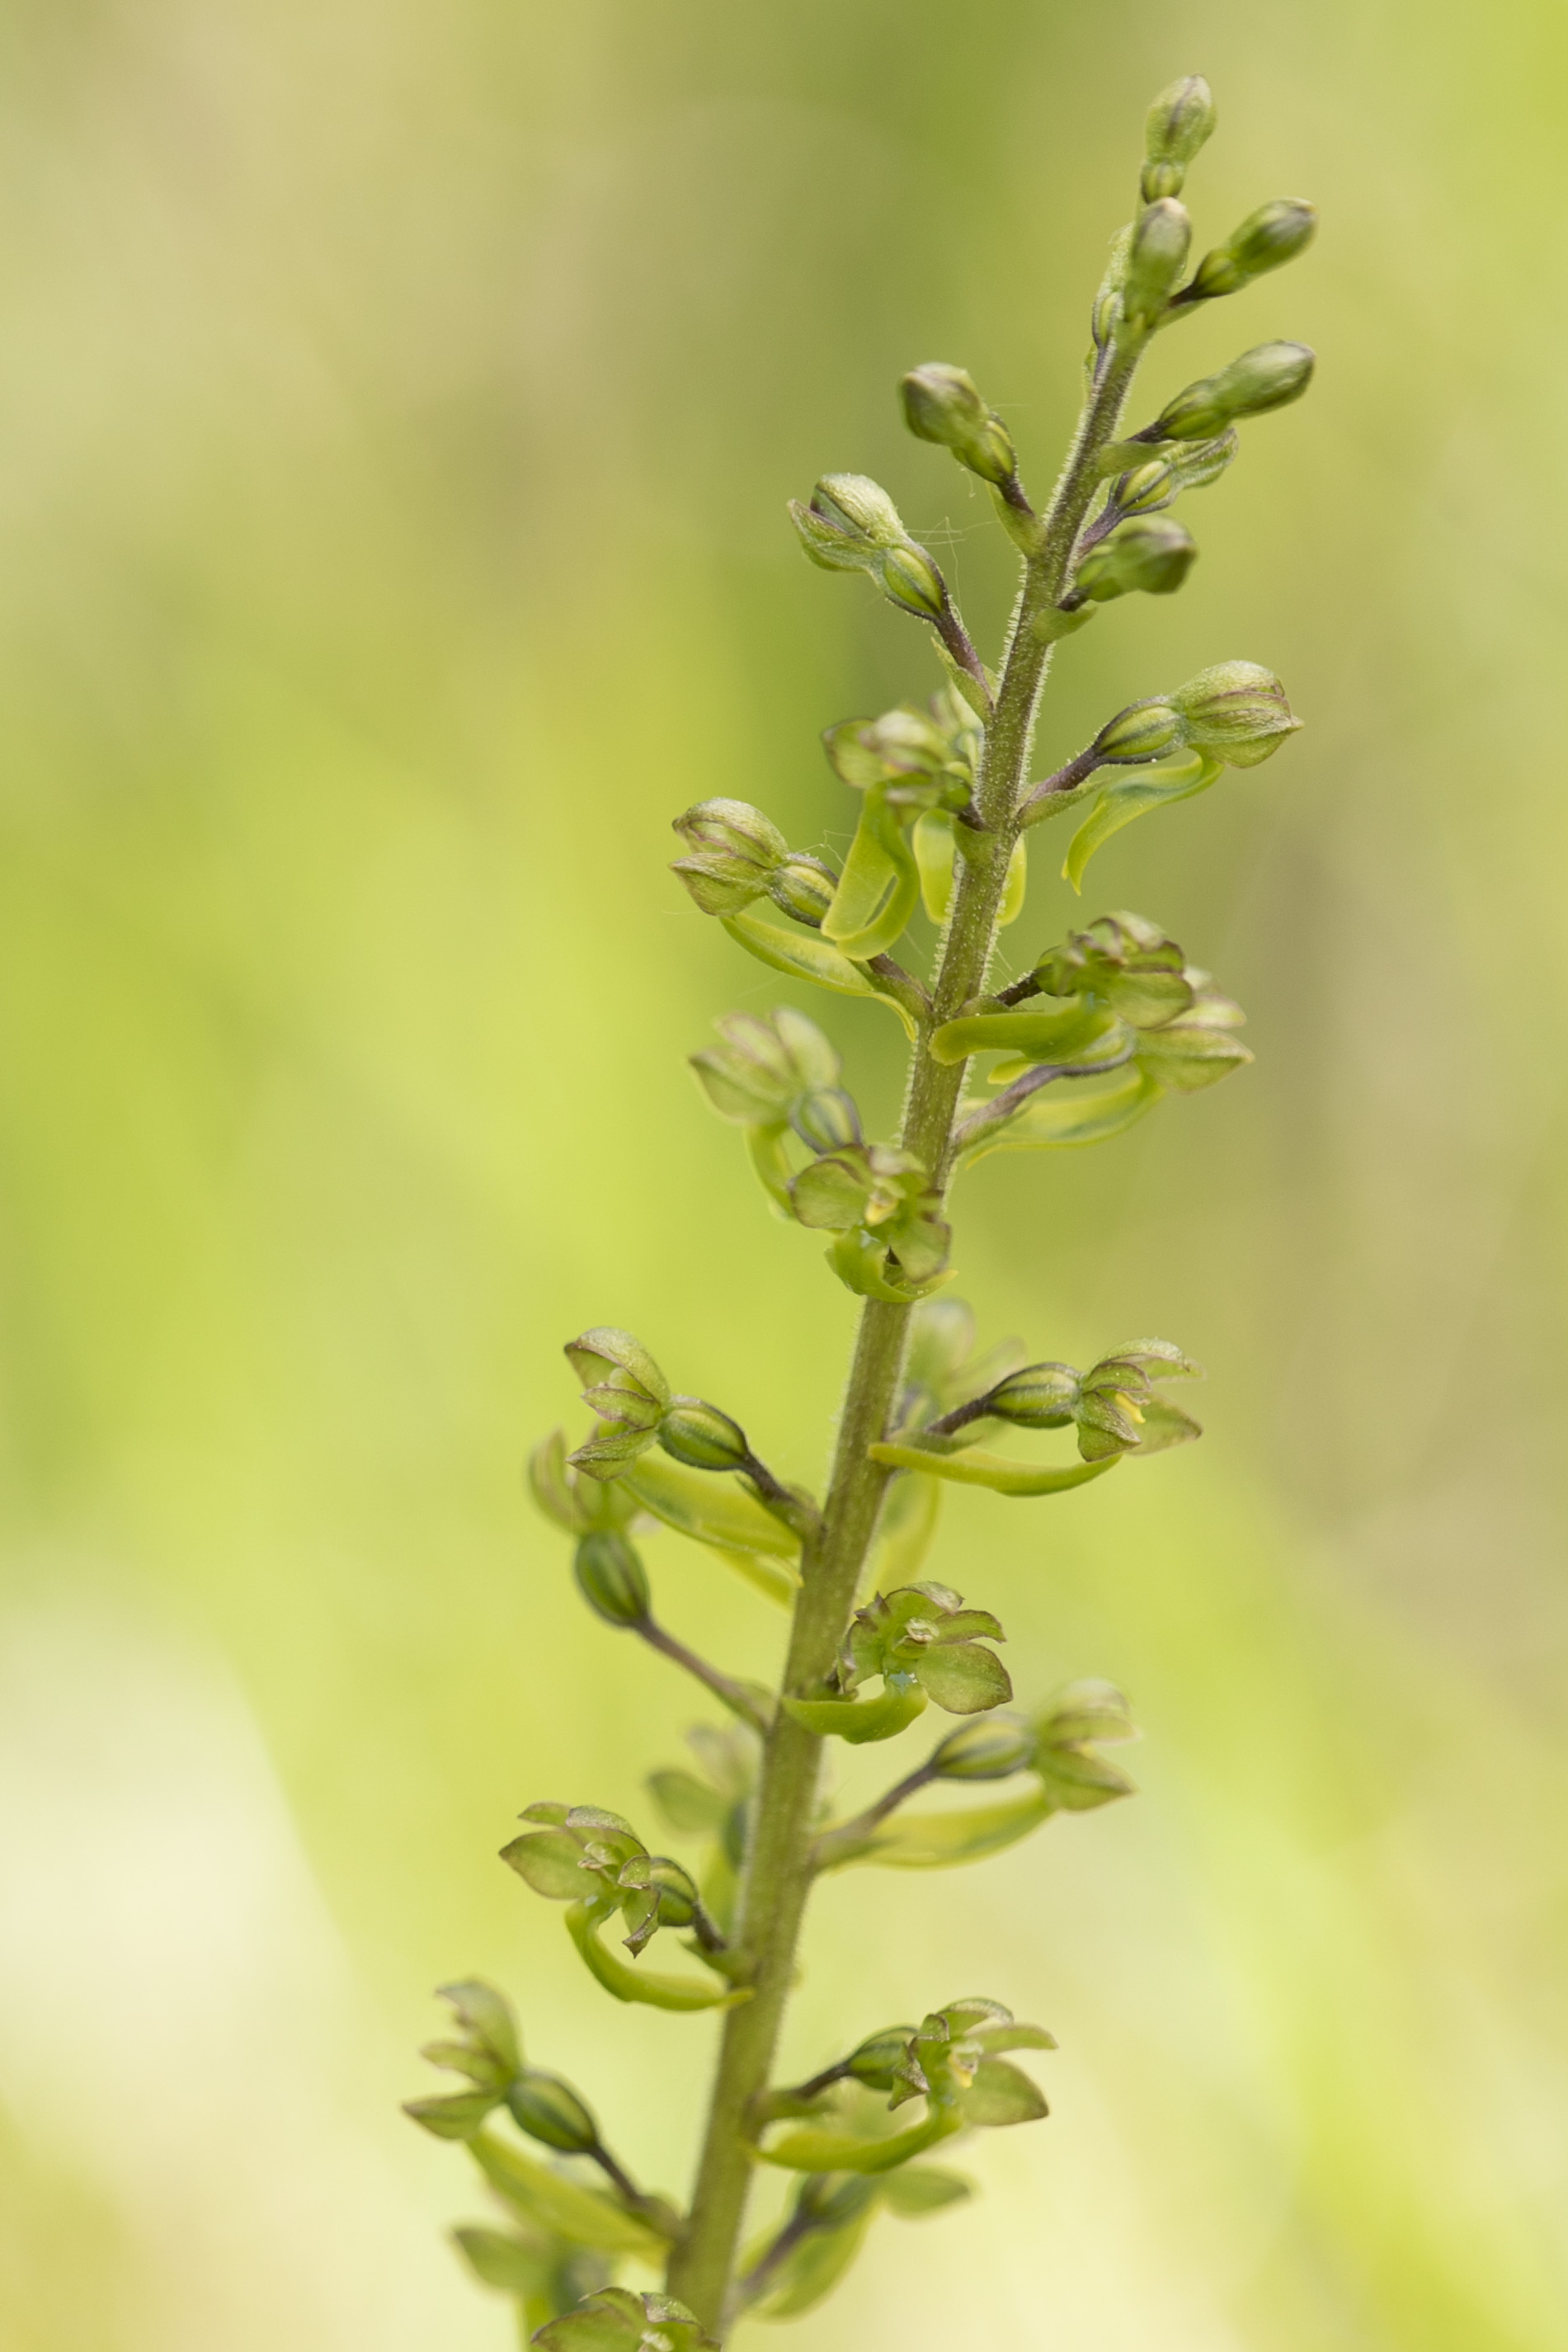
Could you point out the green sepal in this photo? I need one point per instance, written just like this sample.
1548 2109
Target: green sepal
964 1677
996 1471
453 2115
943 1841
646 1985
1133 793
831 2151
879 886
1000 2095
1070 1119
1075 1032
584 2215
859 1720
708 1509
806 955
770 1163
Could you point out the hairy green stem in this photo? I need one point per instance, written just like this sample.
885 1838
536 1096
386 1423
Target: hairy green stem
780 1861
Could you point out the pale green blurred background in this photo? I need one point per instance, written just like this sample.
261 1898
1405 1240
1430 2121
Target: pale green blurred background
397 406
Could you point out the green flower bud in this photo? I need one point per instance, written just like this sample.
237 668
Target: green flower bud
549 2110
989 1747
918 755
1266 240
1041 1396
1268 376
858 507
1138 732
1151 552
734 851
1180 119
803 887
1196 464
1161 235
697 1433
1237 713
623 1385
1090 1710
612 1579
909 578
943 405
764 1064
827 1120
1126 963
880 2056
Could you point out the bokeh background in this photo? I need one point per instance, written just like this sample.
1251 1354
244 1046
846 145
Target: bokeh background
397 406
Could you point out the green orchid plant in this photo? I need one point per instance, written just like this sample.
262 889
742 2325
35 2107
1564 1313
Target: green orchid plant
1104 1024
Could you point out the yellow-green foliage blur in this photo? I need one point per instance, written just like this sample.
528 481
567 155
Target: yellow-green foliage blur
398 403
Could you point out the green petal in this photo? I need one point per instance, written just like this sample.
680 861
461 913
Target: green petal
858 1720
830 2151
1133 794
628 1983
996 1471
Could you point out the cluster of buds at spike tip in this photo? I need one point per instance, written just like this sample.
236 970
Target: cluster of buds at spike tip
944 405
1180 119
736 855
1276 233
923 1634
852 525
1113 1406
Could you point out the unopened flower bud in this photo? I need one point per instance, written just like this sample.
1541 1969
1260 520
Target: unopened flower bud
877 2062
612 1579
549 2110
944 405
803 887
854 504
1193 465
1237 713
1180 119
1266 240
764 1062
1041 1396
989 1747
1138 732
698 1434
1268 376
826 1118
909 578
1161 235
733 851
1151 552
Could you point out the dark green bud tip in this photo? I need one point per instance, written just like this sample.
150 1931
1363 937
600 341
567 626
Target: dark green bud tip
1180 119
909 578
1139 732
1237 713
1041 1396
698 1434
1152 552
989 1748
732 853
1268 376
549 2110
827 1120
1266 240
879 2058
612 1579
1155 260
943 403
